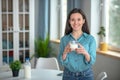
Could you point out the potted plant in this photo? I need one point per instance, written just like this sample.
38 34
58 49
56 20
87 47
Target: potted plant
42 47
15 67
103 45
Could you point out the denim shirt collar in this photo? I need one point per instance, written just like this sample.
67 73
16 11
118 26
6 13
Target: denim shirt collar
83 35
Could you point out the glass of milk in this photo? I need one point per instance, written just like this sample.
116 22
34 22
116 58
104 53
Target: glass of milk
73 45
27 68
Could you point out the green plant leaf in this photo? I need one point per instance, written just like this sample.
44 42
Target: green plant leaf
15 65
42 47
101 32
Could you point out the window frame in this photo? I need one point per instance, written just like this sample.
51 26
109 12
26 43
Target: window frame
58 21
105 22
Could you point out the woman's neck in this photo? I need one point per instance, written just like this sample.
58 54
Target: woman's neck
77 34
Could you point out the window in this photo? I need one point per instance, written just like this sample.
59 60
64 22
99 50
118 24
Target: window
113 23
57 18
63 16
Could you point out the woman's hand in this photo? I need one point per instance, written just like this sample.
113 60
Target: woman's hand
66 51
81 50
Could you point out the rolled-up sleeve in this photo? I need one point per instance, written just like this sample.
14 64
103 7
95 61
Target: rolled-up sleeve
61 49
91 51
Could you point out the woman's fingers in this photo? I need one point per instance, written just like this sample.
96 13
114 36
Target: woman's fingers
80 50
79 45
67 48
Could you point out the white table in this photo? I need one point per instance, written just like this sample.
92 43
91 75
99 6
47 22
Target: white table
37 74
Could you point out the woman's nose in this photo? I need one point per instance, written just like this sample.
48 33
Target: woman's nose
75 22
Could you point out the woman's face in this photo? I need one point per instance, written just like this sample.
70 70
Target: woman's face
76 21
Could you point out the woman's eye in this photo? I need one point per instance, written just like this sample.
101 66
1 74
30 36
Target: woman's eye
78 19
72 19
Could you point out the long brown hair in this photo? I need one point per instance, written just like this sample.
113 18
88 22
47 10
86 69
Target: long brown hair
68 28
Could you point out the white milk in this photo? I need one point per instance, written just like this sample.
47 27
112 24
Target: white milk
73 45
27 71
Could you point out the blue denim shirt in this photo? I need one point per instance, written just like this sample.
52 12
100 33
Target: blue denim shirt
77 62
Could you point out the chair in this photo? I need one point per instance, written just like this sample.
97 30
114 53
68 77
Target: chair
47 63
102 76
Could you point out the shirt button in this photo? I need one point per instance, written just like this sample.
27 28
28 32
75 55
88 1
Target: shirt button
77 74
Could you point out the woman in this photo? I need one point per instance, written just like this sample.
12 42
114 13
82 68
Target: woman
77 63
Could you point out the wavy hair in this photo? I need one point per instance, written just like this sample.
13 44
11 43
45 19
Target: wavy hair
68 28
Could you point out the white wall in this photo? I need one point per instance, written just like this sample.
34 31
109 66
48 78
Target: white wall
108 64
95 19
54 9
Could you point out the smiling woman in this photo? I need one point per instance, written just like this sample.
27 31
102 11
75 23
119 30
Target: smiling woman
77 63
